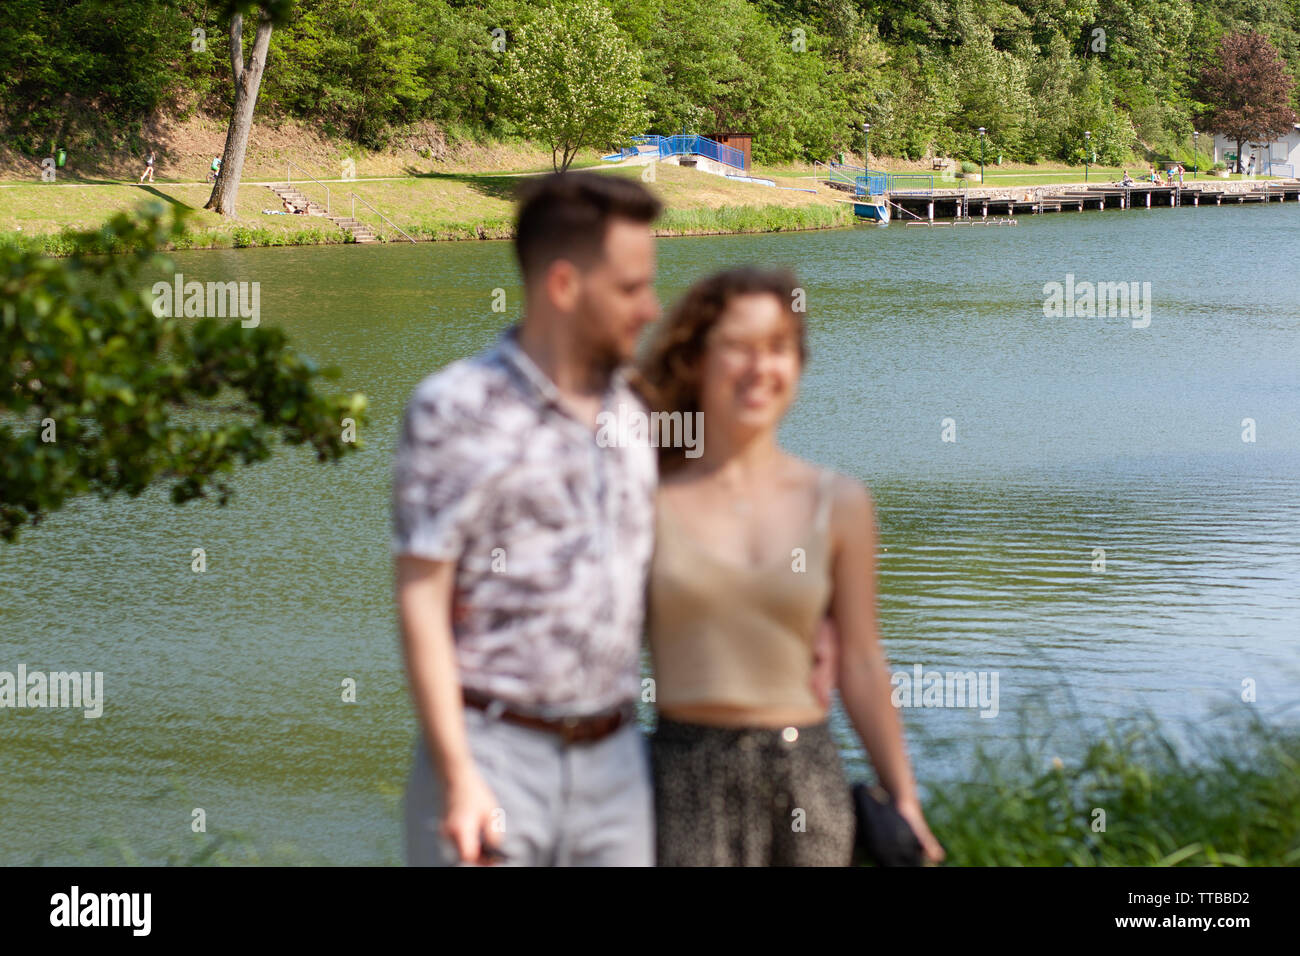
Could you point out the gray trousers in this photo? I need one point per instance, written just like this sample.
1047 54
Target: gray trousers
586 804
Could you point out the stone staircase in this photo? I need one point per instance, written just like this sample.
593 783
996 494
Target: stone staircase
294 197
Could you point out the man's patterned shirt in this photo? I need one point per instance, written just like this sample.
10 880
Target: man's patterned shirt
551 532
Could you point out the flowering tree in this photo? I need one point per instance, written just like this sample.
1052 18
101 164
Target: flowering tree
1247 91
574 81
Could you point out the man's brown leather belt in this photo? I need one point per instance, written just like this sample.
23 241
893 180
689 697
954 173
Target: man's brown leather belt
572 730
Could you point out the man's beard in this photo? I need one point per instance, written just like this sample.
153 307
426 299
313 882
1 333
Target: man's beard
605 355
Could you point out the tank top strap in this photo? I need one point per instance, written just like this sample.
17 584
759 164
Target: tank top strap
825 480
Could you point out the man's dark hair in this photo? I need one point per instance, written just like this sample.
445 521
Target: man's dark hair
566 216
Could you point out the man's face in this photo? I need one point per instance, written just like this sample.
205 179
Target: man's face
616 299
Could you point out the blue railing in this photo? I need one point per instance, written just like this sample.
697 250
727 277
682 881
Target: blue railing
911 183
690 144
874 182
868 182
842 174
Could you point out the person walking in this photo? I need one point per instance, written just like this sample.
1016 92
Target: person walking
148 168
755 548
521 544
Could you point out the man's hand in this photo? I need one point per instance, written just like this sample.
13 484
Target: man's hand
826 662
469 817
424 605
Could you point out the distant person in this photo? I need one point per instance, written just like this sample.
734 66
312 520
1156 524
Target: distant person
215 171
1250 167
148 168
1180 173
1127 180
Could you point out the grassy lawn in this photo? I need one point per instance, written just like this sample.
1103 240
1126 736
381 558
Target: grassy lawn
47 209
428 206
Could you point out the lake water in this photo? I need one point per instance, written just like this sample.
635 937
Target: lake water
1072 434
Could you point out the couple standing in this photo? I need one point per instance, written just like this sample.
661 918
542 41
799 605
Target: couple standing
531 558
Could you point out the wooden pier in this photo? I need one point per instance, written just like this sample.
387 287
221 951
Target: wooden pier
923 207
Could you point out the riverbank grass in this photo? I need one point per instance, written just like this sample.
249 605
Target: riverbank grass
1131 799
428 207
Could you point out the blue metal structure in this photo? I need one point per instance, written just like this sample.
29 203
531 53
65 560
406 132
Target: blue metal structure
876 210
920 183
872 184
691 144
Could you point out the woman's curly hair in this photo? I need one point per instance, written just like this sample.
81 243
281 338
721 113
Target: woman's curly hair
667 378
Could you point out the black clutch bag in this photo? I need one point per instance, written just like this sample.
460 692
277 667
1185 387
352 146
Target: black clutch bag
883 836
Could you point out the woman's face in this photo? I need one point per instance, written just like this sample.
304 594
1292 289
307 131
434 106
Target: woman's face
750 365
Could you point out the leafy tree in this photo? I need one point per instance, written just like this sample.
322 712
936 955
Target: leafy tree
575 80
104 396
1248 90
247 78
355 67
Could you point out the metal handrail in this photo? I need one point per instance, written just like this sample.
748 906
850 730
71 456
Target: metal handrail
288 181
692 143
355 197
901 182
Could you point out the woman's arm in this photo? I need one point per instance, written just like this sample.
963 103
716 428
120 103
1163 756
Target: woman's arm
863 670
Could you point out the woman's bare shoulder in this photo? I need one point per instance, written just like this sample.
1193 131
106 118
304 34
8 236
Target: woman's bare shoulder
852 505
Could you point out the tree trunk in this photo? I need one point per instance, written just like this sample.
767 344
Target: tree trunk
1241 160
248 79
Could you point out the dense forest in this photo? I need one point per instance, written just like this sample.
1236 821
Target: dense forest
798 74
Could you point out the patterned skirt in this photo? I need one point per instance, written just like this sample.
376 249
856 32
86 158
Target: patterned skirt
750 796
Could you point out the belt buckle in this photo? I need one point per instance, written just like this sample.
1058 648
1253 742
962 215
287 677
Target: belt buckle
568 728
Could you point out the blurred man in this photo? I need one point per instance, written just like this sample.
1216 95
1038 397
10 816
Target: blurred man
521 545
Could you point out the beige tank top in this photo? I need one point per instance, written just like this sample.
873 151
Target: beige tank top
724 634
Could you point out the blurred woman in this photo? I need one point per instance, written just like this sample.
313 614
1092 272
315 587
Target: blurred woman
755 548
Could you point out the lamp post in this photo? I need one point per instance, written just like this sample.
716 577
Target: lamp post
1087 142
1196 155
866 158
981 155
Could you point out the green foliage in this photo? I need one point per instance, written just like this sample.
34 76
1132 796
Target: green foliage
1235 803
107 397
574 81
800 75
734 219
355 67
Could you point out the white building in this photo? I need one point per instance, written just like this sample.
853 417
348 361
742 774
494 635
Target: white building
1280 157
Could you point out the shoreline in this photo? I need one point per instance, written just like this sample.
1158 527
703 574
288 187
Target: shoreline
463 207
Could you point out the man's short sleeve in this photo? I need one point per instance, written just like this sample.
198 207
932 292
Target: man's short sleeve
437 475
